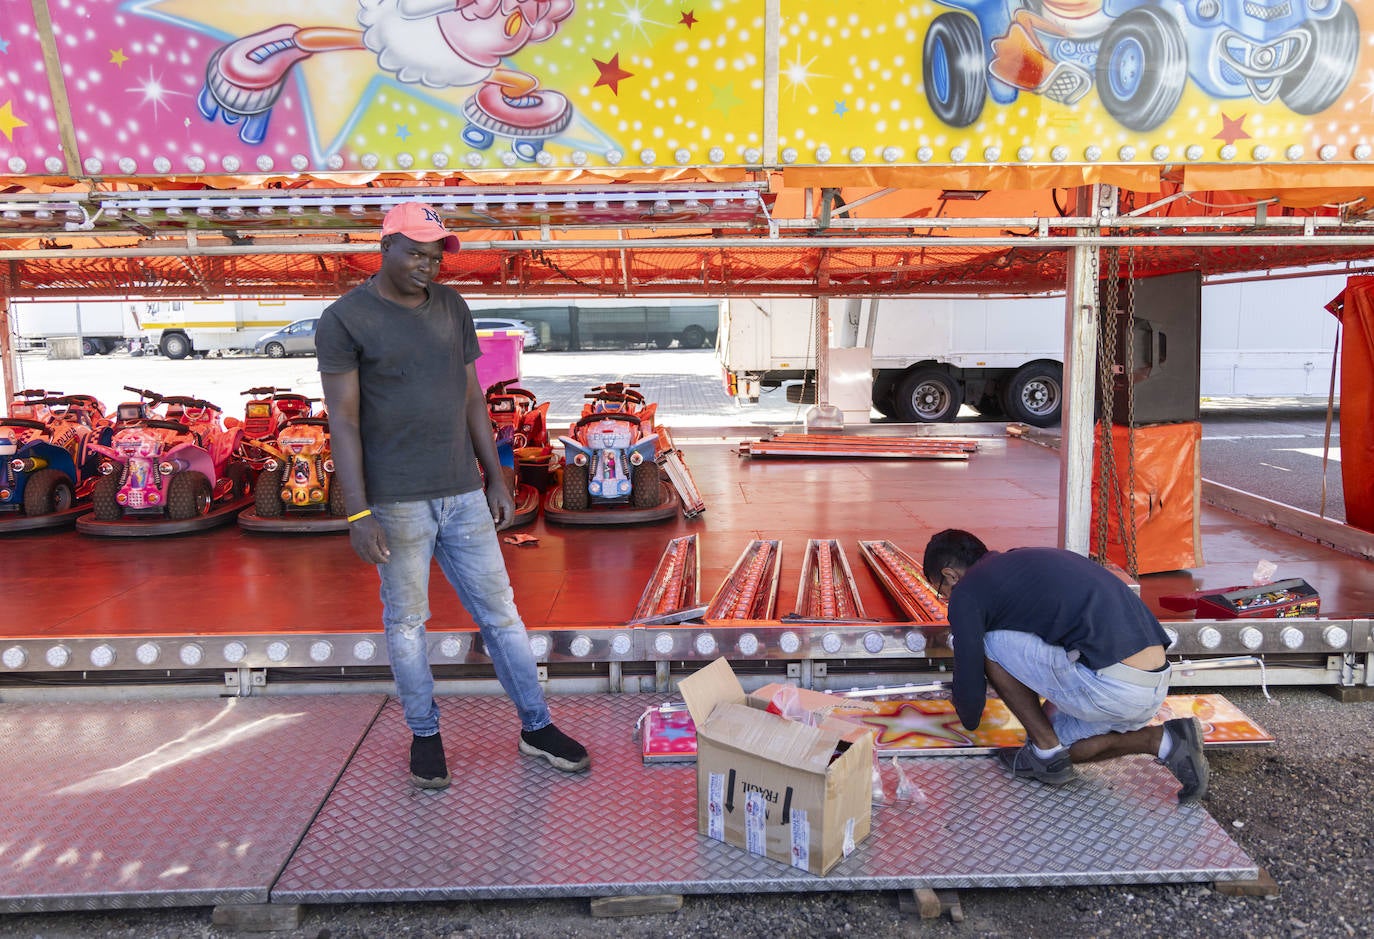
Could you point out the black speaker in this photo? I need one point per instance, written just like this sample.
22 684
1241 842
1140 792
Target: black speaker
1167 362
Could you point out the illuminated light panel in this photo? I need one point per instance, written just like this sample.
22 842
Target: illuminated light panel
581 646
748 644
234 652
1335 636
1173 636
1209 637
103 655
621 644
539 646
58 656
663 643
789 642
1251 638
915 641
190 654
321 650
831 643
705 644
277 651
1291 636
873 642
364 650
450 647
14 657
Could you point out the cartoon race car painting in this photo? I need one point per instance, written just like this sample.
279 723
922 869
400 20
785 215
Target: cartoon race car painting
1139 54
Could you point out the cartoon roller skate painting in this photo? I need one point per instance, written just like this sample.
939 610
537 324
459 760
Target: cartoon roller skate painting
434 43
1139 54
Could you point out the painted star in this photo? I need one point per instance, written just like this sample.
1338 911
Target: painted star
154 92
687 20
1231 131
724 99
118 58
917 726
8 122
403 131
841 108
4 45
611 74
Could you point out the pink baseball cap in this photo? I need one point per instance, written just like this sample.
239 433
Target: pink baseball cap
418 222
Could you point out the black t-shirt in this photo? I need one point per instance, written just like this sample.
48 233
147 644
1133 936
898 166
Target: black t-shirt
1064 598
412 380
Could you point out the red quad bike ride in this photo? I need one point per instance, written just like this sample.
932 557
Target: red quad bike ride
170 473
610 476
520 426
296 490
47 464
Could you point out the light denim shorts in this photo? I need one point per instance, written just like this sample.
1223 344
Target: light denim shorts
1080 702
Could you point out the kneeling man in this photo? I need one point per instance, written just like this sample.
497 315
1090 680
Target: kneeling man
1048 623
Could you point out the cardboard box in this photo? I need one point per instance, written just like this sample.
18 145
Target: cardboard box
801 795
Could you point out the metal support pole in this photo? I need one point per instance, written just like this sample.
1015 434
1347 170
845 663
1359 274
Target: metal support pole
615 675
1080 368
822 331
9 358
663 677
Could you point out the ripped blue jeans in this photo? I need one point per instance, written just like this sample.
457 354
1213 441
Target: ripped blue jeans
458 532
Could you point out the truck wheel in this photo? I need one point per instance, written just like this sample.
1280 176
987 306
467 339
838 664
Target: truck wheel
928 395
644 486
1321 77
176 345
48 491
275 350
575 495
188 496
693 337
1035 394
103 499
92 347
267 494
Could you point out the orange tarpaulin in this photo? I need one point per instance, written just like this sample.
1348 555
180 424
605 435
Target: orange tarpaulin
1167 494
1355 309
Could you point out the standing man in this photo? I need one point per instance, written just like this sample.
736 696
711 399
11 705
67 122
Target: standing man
408 427
1048 623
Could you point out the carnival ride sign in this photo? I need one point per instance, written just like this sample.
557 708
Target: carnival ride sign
676 88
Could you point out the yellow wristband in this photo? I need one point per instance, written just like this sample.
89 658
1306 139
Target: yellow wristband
363 514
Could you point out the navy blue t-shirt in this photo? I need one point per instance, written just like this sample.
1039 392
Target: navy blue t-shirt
1064 598
412 382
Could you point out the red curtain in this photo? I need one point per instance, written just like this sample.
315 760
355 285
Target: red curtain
1355 309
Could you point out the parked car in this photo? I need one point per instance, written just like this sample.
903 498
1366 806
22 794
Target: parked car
297 338
491 322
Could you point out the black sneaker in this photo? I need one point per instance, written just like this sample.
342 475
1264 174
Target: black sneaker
1186 760
562 751
1025 764
427 767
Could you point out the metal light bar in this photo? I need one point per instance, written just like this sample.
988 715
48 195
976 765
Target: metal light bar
901 577
750 591
675 584
827 590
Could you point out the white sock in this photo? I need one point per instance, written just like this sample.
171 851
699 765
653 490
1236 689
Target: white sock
1045 754
1166 745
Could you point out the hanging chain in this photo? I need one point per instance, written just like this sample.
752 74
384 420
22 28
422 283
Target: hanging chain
1106 359
1129 531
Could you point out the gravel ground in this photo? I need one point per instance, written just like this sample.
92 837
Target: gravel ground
1293 807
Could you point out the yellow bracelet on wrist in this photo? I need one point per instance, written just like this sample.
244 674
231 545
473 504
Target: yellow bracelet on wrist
363 514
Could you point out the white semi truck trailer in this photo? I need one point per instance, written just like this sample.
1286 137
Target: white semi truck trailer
1004 355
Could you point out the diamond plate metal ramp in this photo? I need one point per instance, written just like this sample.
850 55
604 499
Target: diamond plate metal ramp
163 803
513 827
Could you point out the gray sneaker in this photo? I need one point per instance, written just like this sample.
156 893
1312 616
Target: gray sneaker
1025 764
1186 760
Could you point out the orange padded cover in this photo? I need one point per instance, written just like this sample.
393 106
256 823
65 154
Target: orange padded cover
1168 481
